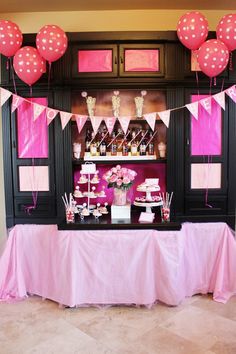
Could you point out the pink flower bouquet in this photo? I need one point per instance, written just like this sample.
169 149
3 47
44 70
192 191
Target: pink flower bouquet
120 177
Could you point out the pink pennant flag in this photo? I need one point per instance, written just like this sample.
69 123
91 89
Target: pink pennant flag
110 122
16 102
220 99
231 92
96 121
51 114
193 109
80 121
124 122
37 110
165 117
206 104
151 119
65 117
4 95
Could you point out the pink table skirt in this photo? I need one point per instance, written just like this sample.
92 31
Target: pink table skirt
119 267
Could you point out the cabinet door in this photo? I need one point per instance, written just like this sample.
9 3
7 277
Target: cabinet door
141 60
94 60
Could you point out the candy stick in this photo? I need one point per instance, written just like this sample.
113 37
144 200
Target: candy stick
66 199
142 138
135 137
151 138
103 138
123 139
170 198
66 206
114 139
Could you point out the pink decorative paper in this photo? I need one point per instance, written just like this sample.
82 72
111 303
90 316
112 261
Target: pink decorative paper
32 135
95 61
65 118
205 175
33 178
141 60
51 114
206 131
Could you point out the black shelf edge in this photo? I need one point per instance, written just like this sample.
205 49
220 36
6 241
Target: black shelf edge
103 162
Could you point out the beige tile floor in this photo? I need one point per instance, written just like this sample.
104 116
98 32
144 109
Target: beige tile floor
198 325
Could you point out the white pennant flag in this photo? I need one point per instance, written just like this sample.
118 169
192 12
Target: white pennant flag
206 104
37 110
193 109
165 117
231 92
4 95
220 99
124 122
110 122
80 121
151 119
51 114
65 117
96 121
16 102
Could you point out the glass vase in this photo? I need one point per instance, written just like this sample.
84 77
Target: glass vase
120 197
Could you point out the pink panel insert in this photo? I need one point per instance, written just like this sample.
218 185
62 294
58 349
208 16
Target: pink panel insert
32 136
33 178
141 60
205 175
206 131
95 61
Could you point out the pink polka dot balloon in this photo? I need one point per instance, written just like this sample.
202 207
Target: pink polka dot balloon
51 42
192 29
10 38
29 65
213 57
226 31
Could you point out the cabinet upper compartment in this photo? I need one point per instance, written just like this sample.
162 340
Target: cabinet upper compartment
114 60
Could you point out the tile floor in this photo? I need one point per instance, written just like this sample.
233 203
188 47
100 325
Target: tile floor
198 325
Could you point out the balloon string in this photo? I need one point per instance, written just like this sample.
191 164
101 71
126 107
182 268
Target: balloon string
7 64
231 61
215 81
207 179
223 83
210 86
31 91
197 80
49 77
13 76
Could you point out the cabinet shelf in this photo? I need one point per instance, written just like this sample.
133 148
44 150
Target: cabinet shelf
119 159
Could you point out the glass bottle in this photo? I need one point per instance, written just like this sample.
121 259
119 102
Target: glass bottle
87 140
151 144
93 146
134 145
125 148
103 146
114 145
143 145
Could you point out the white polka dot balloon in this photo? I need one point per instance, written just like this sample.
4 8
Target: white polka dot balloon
51 42
29 65
192 29
213 57
226 31
10 38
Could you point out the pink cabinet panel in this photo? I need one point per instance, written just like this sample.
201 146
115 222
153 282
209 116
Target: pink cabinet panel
206 132
141 60
95 60
32 136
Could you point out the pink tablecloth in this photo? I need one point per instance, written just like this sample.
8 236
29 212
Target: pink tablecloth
119 267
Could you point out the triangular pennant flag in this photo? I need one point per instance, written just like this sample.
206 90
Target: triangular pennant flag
110 122
4 95
65 117
231 92
16 102
51 114
37 110
193 109
206 104
96 121
80 121
151 119
165 117
124 122
220 99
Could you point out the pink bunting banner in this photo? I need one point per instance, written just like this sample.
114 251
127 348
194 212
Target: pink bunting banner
16 102
151 119
124 122
220 99
37 110
231 92
96 121
51 114
165 117
65 117
80 121
193 109
4 95
110 122
206 104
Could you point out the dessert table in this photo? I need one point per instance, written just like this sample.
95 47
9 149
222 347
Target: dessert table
89 267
